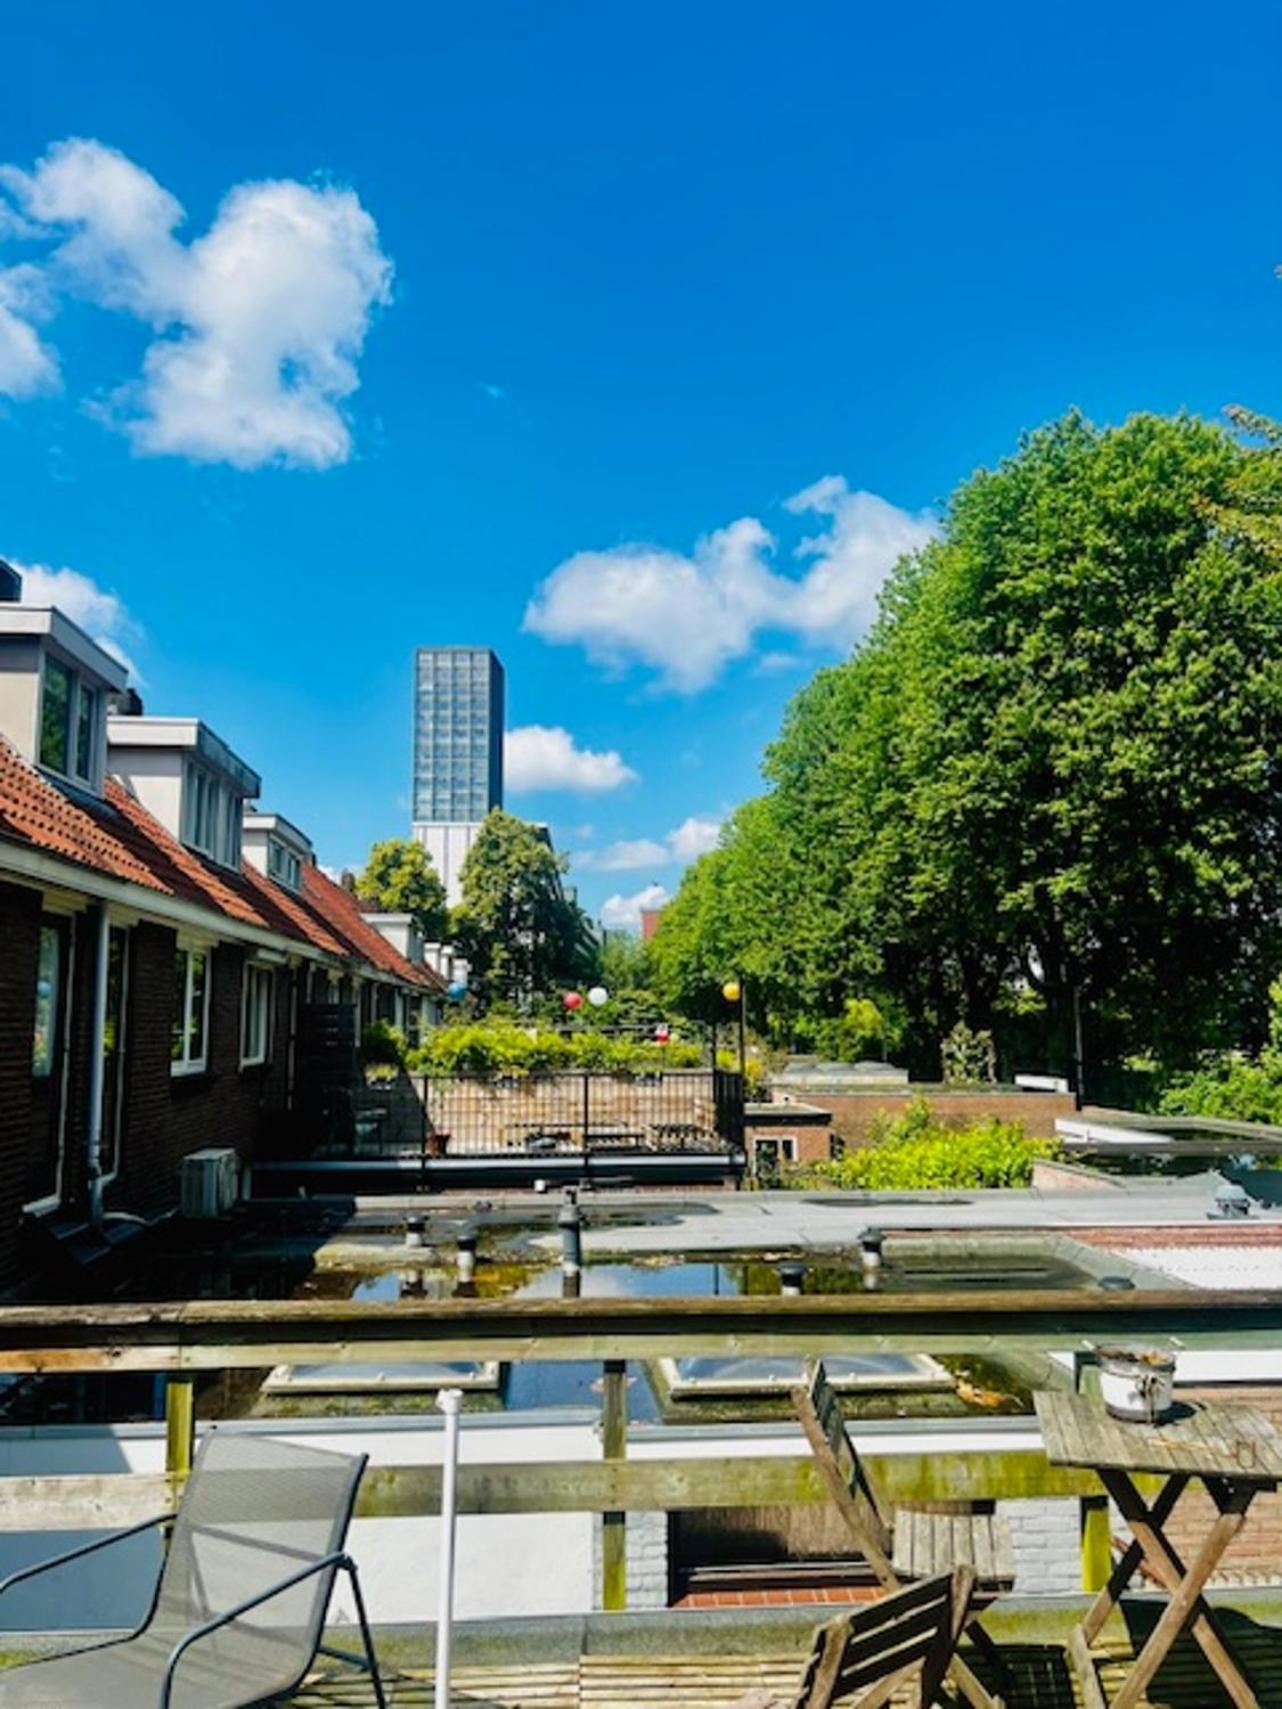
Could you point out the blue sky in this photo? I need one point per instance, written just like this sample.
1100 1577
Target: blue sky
479 319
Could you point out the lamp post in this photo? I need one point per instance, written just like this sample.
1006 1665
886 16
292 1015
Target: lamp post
733 991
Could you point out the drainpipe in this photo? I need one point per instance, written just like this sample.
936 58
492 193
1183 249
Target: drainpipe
97 1070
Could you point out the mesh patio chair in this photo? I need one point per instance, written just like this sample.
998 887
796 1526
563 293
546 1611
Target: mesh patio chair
239 1610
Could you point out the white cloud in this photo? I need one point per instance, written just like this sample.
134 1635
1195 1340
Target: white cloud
694 837
691 838
626 856
27 365
101 614
539 756
623 913
686 618
258 322
836 599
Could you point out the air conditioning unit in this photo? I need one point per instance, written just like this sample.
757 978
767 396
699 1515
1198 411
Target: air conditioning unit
209 1183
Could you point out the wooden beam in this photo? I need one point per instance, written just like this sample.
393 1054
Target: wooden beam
202 1335
614 1448
94 1502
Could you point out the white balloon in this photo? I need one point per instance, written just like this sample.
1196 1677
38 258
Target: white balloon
598 995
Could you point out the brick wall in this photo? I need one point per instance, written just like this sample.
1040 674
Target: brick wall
165 1116
854 1113
646 1558
168 1116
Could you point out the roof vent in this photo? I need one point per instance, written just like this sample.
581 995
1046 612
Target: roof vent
10 583
126 704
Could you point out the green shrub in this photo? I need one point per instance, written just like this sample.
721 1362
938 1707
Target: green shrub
915 1151
1232 1087
382 1046
502 1047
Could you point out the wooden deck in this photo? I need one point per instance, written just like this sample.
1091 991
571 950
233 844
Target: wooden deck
1039 1679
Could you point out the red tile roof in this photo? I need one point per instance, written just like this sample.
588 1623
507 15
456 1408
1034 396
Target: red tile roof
32 811
341 911
118 837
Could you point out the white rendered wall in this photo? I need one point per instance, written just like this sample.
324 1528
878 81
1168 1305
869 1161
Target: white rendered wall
447 846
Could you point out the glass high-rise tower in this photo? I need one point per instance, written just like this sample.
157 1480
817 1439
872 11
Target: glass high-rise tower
458 751
458 734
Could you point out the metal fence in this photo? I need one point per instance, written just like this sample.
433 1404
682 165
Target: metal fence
679 1111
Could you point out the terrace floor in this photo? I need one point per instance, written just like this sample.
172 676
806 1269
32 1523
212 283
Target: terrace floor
1040 1678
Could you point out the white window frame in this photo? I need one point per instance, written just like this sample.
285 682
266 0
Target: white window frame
283 864
186 1064
76 689
258 992
211 815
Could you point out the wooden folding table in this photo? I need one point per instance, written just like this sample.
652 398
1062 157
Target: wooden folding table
1235 1452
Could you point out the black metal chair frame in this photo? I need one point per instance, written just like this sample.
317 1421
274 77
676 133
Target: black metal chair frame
339 1561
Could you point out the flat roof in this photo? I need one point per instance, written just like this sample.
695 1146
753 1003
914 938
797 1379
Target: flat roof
125 731
46 622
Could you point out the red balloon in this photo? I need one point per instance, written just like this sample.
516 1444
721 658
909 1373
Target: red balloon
572 1000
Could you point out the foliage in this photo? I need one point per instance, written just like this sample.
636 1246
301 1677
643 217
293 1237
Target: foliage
1231 1085
502 1047
968 1057
382 1046
1053 767
860 1033
399 878
915 1151
521 934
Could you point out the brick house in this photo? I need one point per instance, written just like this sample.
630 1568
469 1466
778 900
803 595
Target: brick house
161 948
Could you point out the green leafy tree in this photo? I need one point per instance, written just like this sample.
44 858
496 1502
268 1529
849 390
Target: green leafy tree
522 935
1051 772
399 878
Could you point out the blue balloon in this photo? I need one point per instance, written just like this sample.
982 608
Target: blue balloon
457 990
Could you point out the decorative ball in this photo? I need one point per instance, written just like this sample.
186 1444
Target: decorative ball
573 1000
732 991
457 990
598 995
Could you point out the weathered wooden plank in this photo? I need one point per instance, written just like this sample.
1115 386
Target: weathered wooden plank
614 1448
1201 1438
568 1486
219 1334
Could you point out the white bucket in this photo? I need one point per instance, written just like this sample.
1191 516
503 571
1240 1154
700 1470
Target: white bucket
1137 1383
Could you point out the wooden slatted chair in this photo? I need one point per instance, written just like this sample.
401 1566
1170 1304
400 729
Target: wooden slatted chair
865 1656
911 1543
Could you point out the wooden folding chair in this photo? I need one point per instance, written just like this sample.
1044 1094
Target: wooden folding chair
875 1649
910 1543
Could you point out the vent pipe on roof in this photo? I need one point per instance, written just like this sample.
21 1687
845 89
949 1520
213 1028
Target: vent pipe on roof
10 584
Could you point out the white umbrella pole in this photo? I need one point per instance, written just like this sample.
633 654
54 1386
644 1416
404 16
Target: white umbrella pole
449 1401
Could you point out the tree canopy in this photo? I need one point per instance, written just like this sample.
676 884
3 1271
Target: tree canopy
521 933
1052 766
399 878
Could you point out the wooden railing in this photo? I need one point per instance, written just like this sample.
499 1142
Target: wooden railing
185 1339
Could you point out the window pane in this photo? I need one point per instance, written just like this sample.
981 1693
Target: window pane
86 727
196 1023
48 971
55 715
176 1049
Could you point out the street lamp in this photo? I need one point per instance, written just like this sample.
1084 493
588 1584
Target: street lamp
733 992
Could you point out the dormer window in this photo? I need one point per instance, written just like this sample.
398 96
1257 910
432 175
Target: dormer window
70 723
211 815
284 865
277 849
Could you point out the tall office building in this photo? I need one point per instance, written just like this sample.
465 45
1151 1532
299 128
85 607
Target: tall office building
458 752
